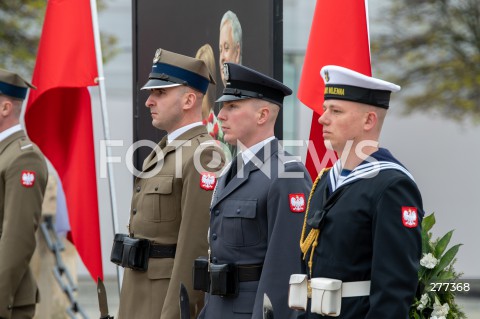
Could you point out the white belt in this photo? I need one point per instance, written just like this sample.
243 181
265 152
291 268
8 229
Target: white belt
325 293
356 288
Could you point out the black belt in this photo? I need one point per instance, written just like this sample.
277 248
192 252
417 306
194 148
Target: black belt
162 251
249 272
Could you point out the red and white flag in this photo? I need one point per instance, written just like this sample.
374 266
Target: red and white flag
58 118
338 36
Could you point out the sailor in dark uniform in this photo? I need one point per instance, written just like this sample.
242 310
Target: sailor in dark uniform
363 221
258 205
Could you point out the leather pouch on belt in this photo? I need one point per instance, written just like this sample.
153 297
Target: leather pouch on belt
298 292
223 280
326 296
117 249
201 276
136 253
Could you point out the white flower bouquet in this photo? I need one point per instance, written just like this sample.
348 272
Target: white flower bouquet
437 279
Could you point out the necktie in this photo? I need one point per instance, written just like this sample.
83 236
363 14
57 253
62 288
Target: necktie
163 142
232 172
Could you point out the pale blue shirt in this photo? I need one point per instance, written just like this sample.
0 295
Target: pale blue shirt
10 131
181 130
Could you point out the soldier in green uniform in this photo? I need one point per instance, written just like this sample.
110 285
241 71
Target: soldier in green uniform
23 179
172 194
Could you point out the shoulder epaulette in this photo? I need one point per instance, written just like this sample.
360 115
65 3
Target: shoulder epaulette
25 144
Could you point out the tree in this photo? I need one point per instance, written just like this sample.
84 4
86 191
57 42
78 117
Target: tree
20 22
20 28
432 49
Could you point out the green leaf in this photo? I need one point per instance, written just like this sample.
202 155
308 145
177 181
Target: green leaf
428 222
446 259
421 272
427 244
443 243
445 276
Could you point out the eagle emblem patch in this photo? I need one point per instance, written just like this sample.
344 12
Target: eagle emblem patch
226 74
207 181
28 178
409 217
297 202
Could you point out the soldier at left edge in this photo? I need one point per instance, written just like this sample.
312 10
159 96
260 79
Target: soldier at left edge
23 180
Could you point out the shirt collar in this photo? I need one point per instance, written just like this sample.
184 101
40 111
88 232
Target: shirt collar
250 152
181 130
10 131
382 159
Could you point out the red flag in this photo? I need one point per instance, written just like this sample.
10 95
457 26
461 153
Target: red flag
338 36
58 117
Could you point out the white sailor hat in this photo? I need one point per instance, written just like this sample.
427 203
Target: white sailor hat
344 84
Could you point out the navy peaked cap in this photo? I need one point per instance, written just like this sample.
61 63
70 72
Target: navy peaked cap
245 83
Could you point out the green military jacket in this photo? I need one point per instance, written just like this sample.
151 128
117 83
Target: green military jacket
170 205
23 179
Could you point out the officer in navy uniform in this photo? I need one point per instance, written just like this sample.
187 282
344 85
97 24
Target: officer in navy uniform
364 216
23 179
258 205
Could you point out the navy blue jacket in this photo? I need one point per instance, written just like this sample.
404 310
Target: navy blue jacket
366 235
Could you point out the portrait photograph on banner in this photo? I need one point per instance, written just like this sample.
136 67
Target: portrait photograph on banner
215 31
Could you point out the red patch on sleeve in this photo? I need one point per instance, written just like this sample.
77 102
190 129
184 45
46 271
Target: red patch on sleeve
207 181
409 216
297 202
28 178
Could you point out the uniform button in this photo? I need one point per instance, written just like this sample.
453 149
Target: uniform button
156 188
138 189
134 211
214 260
238 210
214 236
217 212
10 307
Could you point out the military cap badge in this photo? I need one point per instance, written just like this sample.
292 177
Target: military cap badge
158 53
226 74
